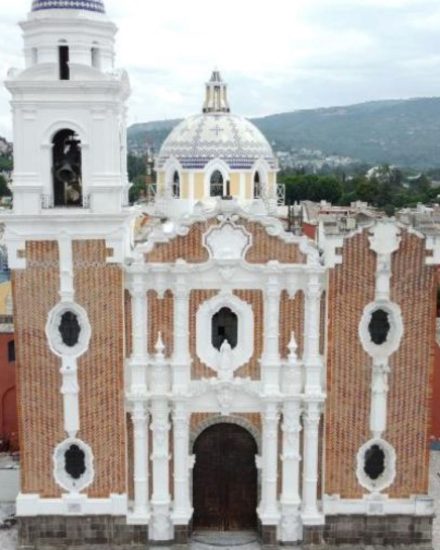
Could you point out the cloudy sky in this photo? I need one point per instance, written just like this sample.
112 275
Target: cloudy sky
277 55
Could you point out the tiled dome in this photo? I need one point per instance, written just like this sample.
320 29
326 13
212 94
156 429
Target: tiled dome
202 138
88 5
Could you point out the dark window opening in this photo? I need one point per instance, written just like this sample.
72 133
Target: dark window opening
75 461
96 58
257 186
379 327
11 351
69 329
224 327
63 57
176 185
67 169
216 184
374 462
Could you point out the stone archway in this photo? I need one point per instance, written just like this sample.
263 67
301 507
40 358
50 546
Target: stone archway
225 484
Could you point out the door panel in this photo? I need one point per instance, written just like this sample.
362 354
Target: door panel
225 479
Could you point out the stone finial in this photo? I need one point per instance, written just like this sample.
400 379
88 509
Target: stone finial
160 347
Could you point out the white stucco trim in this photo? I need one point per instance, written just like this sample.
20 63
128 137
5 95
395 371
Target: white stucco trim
32 505
389 474
378 505
63 479
207 353
53 334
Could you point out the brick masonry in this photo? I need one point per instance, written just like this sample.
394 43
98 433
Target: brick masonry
59 533
40 406
351 288
371 530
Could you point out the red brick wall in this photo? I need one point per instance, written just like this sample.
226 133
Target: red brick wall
40 405
349 374
291 319
409 398
99 290
435 431
351 288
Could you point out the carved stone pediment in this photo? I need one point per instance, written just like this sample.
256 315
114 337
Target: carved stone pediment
227 241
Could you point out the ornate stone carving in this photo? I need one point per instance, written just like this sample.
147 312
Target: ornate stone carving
227 241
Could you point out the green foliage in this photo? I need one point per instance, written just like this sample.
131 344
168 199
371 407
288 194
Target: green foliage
386 188
137 190
311 187
4 189
136 167
6 163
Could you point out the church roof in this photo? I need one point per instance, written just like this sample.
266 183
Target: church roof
87 5
216 134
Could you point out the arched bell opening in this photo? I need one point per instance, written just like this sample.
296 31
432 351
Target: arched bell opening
67 169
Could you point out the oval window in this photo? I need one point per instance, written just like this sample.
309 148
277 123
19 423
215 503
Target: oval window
69 329
374 462
75 462
379 327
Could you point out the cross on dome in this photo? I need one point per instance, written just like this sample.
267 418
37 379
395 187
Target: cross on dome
87 5
216 100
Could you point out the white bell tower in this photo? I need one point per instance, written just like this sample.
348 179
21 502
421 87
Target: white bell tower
69 113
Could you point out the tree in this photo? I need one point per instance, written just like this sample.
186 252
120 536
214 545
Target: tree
4 189
367 190
137 189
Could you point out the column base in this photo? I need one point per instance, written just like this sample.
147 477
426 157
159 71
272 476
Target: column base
268 534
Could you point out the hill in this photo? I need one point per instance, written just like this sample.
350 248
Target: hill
401 132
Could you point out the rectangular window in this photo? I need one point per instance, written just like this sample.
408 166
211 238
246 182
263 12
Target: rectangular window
96 58
63 53
11 351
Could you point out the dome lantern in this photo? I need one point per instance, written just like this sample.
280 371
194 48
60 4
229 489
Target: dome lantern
216 100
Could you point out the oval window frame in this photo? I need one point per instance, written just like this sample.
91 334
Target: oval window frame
54 337
65 480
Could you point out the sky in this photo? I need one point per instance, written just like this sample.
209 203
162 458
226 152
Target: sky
277 55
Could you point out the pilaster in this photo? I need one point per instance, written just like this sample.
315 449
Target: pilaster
183 510
268 510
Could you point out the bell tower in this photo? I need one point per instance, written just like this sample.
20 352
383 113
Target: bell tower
69 112
67 236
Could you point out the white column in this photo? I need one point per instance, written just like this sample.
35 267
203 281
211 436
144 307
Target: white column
181 357
268 510
312 357
140 441
139 357
161 528
290 525
271 360
379 399
313 399
311 514
182 504
290 499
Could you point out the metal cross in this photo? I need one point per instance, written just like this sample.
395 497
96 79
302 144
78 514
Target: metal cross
217 130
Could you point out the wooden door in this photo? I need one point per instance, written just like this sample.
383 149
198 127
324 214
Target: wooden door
225 479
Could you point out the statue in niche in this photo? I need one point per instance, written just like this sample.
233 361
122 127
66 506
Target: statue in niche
225 371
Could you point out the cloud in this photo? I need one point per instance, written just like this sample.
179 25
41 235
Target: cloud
277 56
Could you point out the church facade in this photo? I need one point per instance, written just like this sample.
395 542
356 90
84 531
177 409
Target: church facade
201 368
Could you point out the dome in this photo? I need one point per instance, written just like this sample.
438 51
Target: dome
87 5
216 134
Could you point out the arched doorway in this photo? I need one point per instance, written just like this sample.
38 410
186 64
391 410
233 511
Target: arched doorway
225 479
